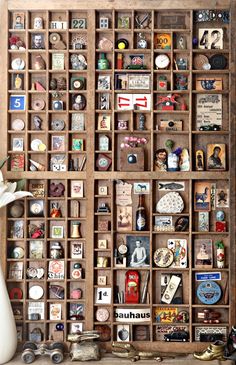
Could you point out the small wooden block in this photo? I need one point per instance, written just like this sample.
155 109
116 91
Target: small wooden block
135 154
58 336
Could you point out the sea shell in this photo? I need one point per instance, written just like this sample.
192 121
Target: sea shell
170 203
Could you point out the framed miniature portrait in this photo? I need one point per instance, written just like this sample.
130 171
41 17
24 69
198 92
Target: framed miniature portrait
104 122
222 198
77 144
123 22
57 231
77 250
58 143
37 41
104 82
138 251
76 327
18 144
202 196
216 157
77 122
203 256
77 188
17 82
210 38
124 218
18 20
203 221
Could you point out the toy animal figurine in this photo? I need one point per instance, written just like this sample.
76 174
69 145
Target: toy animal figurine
230 347
54 350
82 349
128 351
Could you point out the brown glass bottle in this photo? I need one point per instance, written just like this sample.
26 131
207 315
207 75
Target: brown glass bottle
141 216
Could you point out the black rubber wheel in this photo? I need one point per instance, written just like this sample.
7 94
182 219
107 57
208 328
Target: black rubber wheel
29 345
57 357
28 357
57 345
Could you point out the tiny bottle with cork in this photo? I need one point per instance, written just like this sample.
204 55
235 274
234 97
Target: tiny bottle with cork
141 216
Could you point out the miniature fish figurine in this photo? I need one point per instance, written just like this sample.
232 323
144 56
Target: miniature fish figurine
170 186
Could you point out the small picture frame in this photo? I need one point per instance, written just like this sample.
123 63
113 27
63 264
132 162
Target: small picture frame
17 102
77 122
37 41
16 270
18 20
77 250
123 333
18 144
216 157
163 224
124 218
104 122
77 189
104 82
102 295
76 327
102 244
17 82
58 143
104 102
57 231
203 221
103 143
123 22
102 280
17 229
202 196
203 254
58 61
78 23
139 251
102 190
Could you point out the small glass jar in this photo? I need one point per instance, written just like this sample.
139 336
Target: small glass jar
56 251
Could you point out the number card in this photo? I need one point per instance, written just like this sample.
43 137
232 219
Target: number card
103 295
17 102
80 23
210 38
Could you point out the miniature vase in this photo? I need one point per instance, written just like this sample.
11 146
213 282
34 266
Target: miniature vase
8 334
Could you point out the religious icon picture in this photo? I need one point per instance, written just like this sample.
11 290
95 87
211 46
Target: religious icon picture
216 157
202 196
203 253
222 198
124 218
138 253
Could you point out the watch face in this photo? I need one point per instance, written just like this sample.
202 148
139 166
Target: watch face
162 61
36 208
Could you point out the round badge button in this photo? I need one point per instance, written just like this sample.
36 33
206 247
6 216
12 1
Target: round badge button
163 257
102 315
36 292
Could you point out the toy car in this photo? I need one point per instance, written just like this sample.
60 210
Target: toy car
210 127
54 350
177 336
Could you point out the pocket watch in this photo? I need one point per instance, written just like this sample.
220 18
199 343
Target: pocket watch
162 61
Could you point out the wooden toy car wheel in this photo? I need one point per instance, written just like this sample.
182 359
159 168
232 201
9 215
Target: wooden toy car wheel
29 345
28 356
57 356
58 345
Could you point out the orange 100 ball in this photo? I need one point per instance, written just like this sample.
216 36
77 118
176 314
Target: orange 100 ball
163 41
